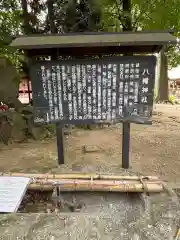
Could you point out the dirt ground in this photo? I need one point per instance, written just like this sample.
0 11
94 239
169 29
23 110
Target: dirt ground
154 149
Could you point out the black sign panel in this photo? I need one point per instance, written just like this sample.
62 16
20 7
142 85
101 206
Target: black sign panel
116 88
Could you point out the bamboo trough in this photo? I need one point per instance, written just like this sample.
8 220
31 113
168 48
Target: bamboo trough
91 182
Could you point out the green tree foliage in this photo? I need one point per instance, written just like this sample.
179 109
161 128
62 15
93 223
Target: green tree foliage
161 15
81 16
148 15
60 16
10 24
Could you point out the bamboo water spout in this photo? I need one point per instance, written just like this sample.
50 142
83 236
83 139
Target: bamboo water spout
92 182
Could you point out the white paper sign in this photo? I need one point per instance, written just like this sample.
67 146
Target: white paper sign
12 191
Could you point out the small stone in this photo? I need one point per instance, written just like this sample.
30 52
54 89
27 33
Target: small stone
90 149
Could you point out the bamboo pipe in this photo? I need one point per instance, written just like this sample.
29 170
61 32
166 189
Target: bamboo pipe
86 181
79 176
97 185
138 187
92 182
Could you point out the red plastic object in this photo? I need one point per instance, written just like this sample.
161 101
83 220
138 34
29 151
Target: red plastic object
3 107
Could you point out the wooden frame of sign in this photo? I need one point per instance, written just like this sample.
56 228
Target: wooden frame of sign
85 78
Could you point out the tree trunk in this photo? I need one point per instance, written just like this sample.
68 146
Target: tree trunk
51 18
163 81
26 26
127 17
53 29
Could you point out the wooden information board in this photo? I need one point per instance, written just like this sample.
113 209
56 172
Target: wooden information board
76 91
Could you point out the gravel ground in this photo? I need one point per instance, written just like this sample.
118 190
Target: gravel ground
112 217
154 149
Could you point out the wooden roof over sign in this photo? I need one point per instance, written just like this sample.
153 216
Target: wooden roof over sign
148 42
